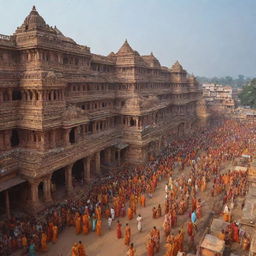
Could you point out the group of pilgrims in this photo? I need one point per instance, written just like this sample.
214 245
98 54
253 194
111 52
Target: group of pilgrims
115 198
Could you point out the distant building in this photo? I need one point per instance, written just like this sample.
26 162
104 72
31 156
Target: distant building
219 98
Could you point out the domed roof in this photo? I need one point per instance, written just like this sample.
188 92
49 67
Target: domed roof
32 22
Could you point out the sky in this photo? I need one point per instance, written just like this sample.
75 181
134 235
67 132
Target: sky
208 37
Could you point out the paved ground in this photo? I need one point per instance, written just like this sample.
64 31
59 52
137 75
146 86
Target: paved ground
108 244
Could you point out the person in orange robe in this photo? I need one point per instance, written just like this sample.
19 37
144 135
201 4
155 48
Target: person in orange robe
54 234
81 249
170 249
130 213
119 230
98 212
49 231
85 220
190 228
24 242
180 240
107 212
44 242
150 247
143 200
127 236
131 251
78 224
154 212
158 211
98 227
74 251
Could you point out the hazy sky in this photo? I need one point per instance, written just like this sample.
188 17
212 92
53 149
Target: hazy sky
208 37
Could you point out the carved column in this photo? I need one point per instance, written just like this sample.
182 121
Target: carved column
1 97
47 189
113 155
66 136
87 168
9 92
7 139
34 193
2 141
7 204
68 178
53 138
97 162
108 155
119 157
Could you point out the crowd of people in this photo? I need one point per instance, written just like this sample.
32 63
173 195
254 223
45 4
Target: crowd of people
204 154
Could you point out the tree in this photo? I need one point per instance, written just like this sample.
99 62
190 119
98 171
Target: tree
248 94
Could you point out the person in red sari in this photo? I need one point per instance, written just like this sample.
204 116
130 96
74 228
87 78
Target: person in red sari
119 230
235 232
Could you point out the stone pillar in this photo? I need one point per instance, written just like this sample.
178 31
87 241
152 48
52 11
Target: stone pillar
76 134
7 204
47 189
34 193
53 139
97 162
7 139
113 155
108 155
87 169
66 136
119 157
42 141
1 141
68 178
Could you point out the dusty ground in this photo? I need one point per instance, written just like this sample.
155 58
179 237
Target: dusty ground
108 244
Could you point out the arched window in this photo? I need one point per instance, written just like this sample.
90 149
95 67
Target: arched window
16 95
72 138
5 96
132 122
14 138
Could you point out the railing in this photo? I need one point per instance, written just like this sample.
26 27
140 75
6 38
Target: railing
5 37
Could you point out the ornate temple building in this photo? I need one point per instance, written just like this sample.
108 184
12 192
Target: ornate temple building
67 113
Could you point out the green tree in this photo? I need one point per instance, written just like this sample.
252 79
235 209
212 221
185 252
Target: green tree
248 94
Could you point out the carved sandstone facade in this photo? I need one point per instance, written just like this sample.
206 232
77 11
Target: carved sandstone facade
69 112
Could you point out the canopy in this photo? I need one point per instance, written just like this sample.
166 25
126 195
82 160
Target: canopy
213 243
10 183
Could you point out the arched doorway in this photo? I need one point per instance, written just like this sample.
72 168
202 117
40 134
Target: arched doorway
58 182
14 138
72 138
181 129
78 173
41 191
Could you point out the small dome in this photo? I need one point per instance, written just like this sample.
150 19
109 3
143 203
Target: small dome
32 22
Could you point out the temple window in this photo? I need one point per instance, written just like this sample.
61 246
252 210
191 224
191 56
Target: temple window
90 127
5 96
16 95
65 60
14 138
132 122
72 136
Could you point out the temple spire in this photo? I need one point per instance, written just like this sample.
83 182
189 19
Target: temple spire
125 48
